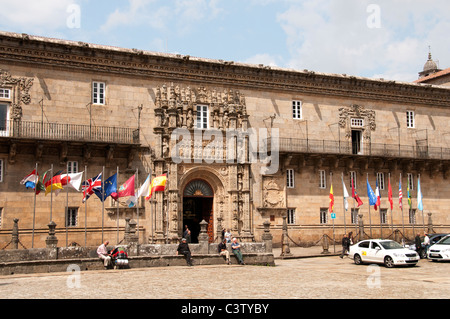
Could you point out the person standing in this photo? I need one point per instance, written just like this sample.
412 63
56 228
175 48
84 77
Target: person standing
418 244
426 243
345 245
236 248
183 248
103 254
223 251
227 235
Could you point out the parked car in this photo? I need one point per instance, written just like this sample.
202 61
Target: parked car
440 250
434 238
382 251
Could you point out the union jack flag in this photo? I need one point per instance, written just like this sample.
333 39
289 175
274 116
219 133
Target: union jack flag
89 186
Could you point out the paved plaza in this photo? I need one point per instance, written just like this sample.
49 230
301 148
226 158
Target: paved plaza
327 277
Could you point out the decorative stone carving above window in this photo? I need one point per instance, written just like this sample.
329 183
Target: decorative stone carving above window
366 117
22 87
177 107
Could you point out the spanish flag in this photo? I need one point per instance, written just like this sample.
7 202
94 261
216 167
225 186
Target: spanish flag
158 185
331 200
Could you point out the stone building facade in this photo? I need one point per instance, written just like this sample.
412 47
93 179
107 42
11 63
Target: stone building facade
218 129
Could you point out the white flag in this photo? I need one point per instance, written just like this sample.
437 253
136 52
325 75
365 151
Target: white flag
143 191
345 195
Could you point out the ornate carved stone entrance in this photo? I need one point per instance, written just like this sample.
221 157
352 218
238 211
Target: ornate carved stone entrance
198 199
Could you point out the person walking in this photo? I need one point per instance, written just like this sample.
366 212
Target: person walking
183 248
345 245
236 249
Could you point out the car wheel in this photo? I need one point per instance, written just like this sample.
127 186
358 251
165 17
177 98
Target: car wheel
357 259
388 262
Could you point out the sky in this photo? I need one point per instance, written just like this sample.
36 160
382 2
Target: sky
387 39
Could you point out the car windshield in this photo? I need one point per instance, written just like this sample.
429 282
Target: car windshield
390 245
444 241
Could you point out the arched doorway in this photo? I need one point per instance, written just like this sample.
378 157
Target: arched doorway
198 199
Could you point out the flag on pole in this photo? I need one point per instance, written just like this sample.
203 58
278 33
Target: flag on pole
371 195
345 195
41 183
89 186
355 195
391 201
142 191
110 187
419 196
400 195
409 197
30 180
377 194
53 184
126 189
330 209
72 180
158 184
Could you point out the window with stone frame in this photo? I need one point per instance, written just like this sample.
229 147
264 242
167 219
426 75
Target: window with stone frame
290 178
98 93
202 121
291 216
324 215
297 110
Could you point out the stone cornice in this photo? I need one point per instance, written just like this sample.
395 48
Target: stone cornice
25 49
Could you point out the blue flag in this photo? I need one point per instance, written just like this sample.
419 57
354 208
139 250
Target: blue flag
419 196
371 195
110 187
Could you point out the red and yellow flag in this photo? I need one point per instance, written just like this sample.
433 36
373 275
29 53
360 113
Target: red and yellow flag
331 200
158 185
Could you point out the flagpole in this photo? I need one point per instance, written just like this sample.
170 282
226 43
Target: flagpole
355 218
137 202
370 216
85 209
153 220
51 192
103 201
34 206
67 207
419 191
401 207
345 224
392 217
167 206
334 237
117 207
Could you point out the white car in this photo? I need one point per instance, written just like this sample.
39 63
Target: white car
382 251
440 250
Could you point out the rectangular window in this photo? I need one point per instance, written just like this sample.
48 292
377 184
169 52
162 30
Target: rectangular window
355 218
353 178
383 215
357 123
297 110
291 216
72 167
324 215
322 180
412 216
1 170
202 117
98 93
380 179
410 181
5 93
4 120
410 119
72 217
290 178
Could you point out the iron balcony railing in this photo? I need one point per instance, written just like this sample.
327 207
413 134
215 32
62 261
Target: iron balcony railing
296 145
69 132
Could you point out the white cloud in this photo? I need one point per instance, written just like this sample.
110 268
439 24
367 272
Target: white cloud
334 36
35 17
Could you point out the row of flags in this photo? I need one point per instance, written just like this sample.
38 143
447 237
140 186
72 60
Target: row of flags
91 186
375 197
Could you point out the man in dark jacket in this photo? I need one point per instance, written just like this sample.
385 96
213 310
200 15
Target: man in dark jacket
183 248
345 245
